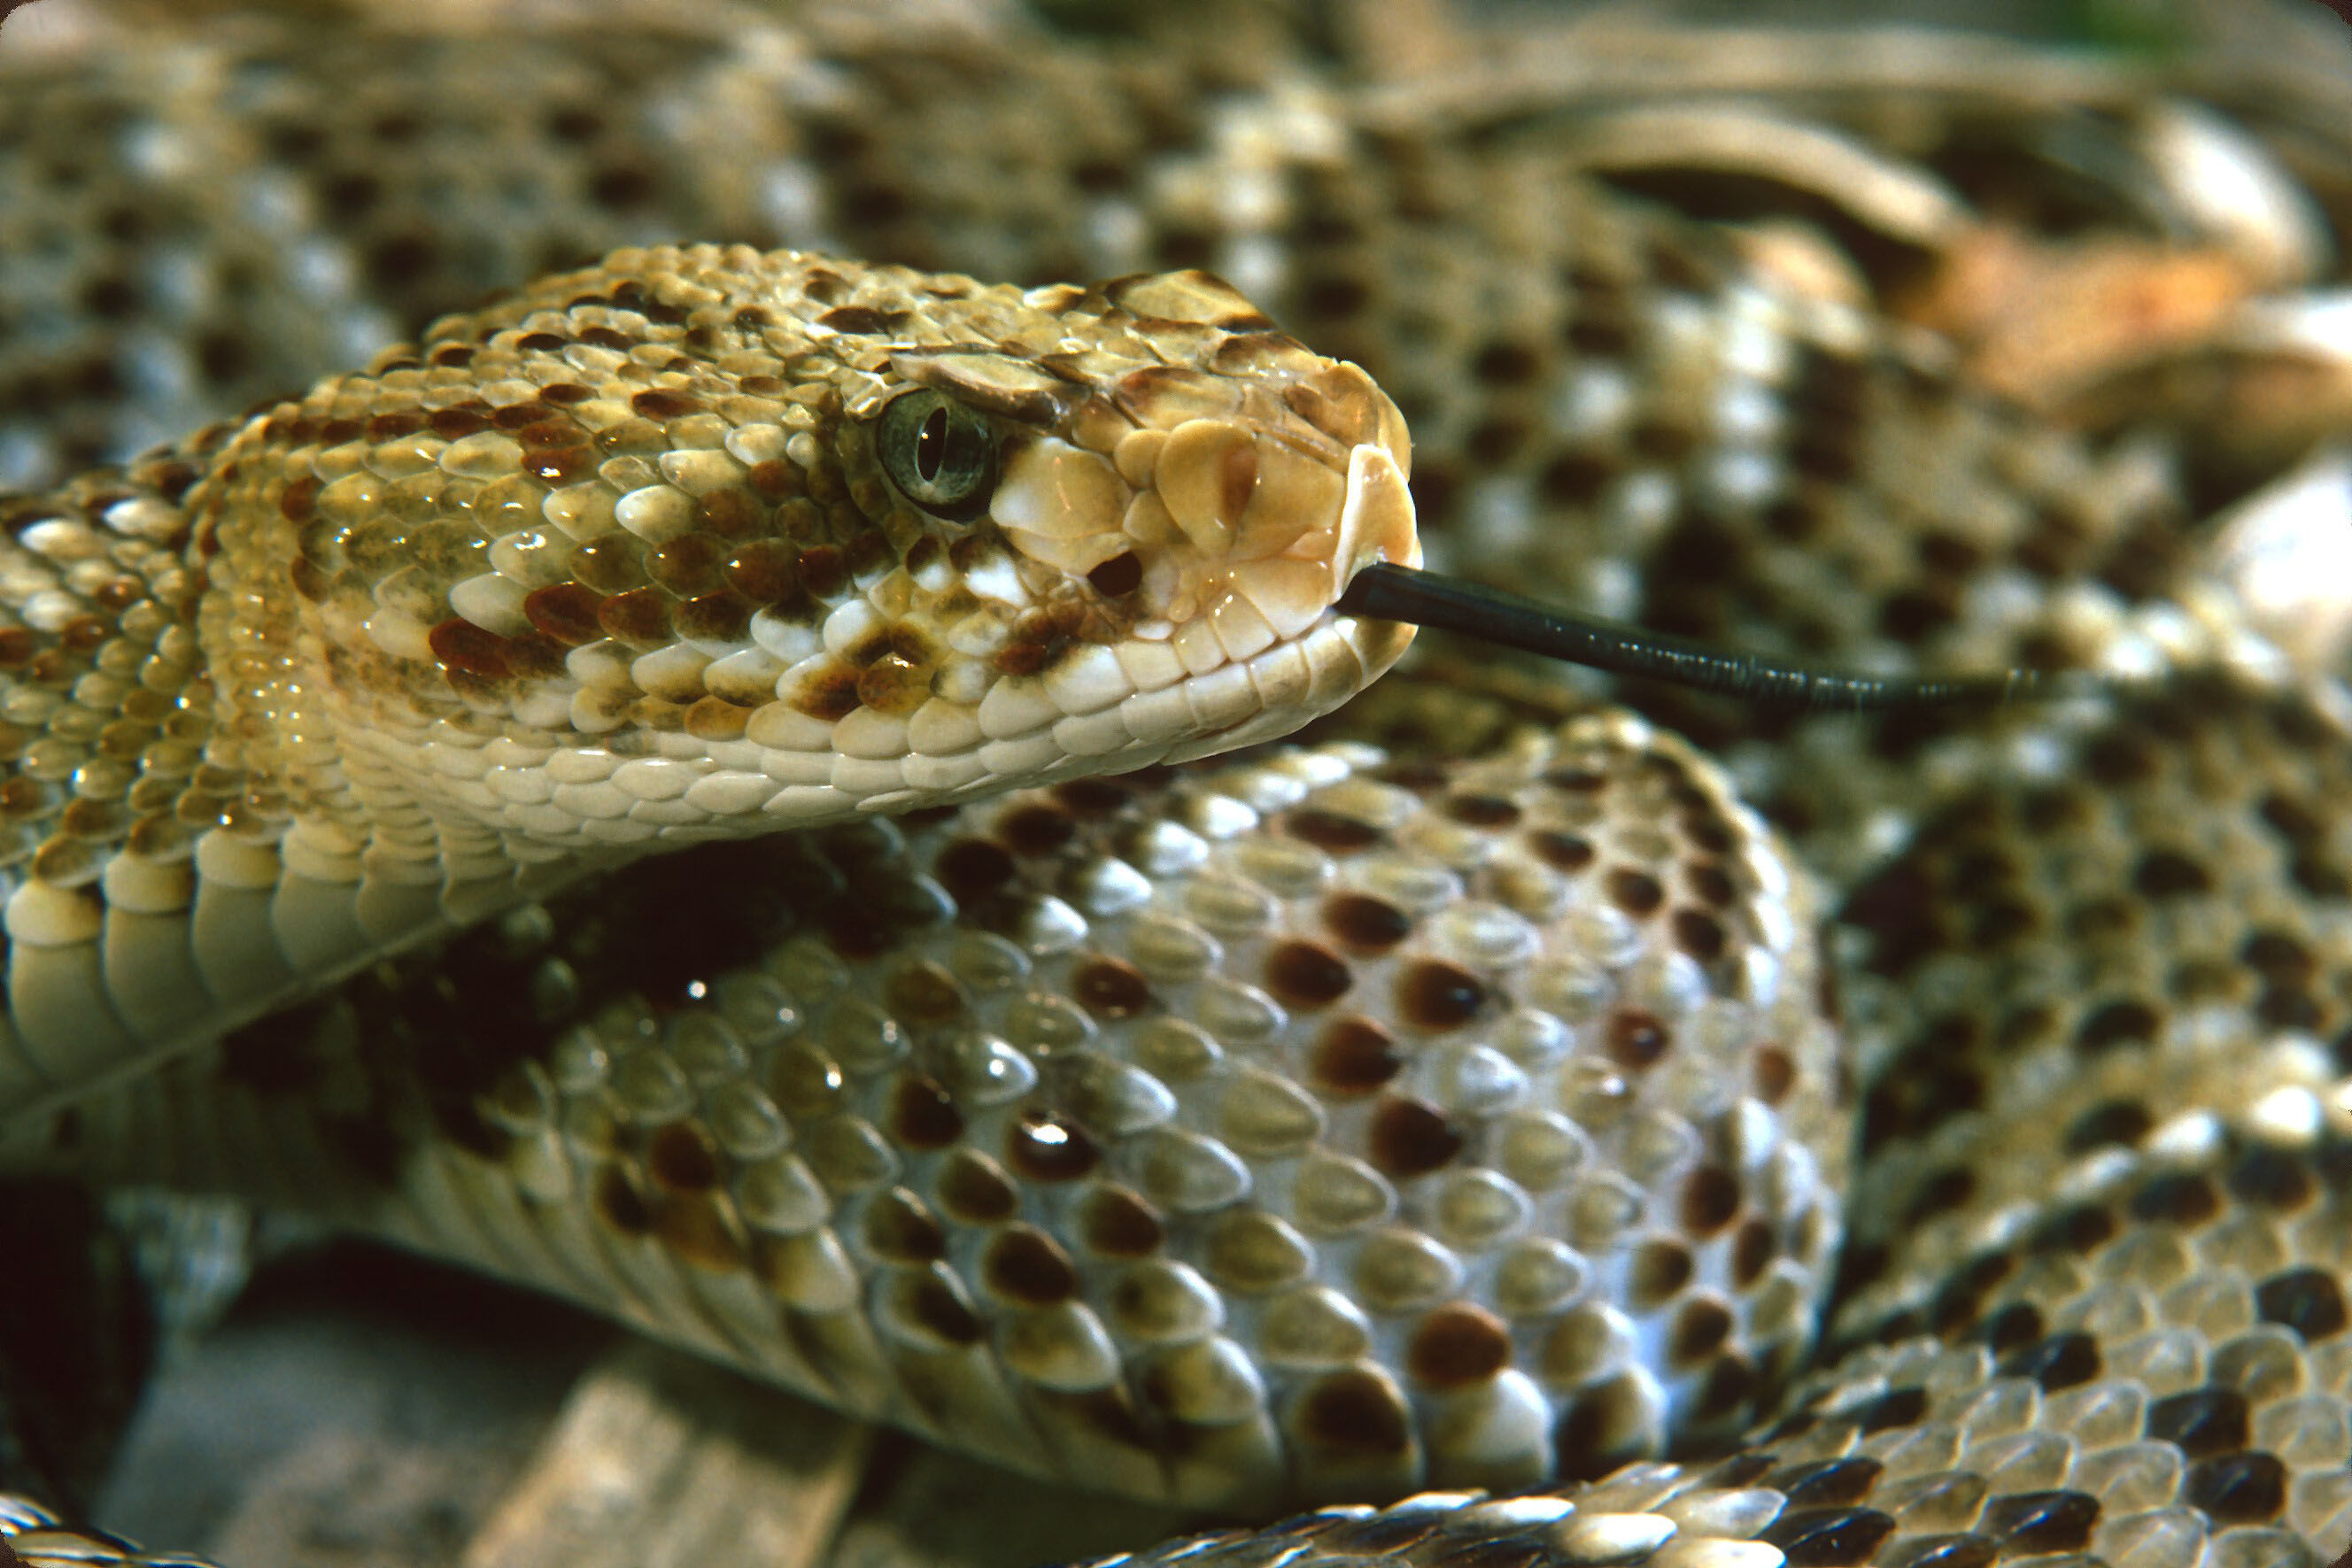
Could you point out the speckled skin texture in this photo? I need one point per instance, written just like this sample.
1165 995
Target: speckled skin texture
1093 1101
1325 1128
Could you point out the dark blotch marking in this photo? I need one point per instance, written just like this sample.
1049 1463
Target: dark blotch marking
1307 975
1701 1328
1481 810
1043 1146
1895 1408
2187 1200
2081 1228
1095 798
1353 1412
1330 830
936 1306
860 320
2202 1422
2238 1489
2278 956
899 1229
1828 1537
300 500
2272 1178
2120 1123
1116 1223
682 1159
823 571
1504 362
972 1188
2168 873
761 572
828 695
1110 988
2116 1023
972 869
639 617
1563 852
1660 1271
1364 923
1023 1264
462 647
922 1113
618 1203
1699 934
1411 1137
1603 1428
559 466
1353 1056
713 617
1458 1346
456 423
565 613
1710 1200
1036 830
2307 1300
1710 883
2034 1522
1636 893
1435 995
1752 1252
1826 1483
2061 1361
1635 1039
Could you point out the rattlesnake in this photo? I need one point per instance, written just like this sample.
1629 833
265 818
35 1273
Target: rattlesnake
1050 1127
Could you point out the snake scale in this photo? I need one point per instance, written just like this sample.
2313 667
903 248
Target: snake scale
1466 1096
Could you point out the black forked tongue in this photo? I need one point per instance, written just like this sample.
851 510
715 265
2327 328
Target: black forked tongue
1382 591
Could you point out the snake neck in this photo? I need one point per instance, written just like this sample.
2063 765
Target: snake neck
169 715
322 730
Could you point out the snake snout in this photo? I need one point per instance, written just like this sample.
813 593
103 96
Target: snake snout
1240 503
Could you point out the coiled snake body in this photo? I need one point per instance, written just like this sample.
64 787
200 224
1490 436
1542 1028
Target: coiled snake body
1357 1118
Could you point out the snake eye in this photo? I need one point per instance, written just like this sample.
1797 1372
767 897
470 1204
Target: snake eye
939 452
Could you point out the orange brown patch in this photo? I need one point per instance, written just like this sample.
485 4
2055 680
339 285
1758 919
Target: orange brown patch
829 695
462 647
1458 1346
566 612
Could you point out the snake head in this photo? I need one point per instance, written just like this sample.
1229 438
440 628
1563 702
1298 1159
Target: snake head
1176 496
702 541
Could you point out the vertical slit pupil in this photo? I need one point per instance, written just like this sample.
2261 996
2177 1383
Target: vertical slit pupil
932 445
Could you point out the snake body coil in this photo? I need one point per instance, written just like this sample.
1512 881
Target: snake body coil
1402 1110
